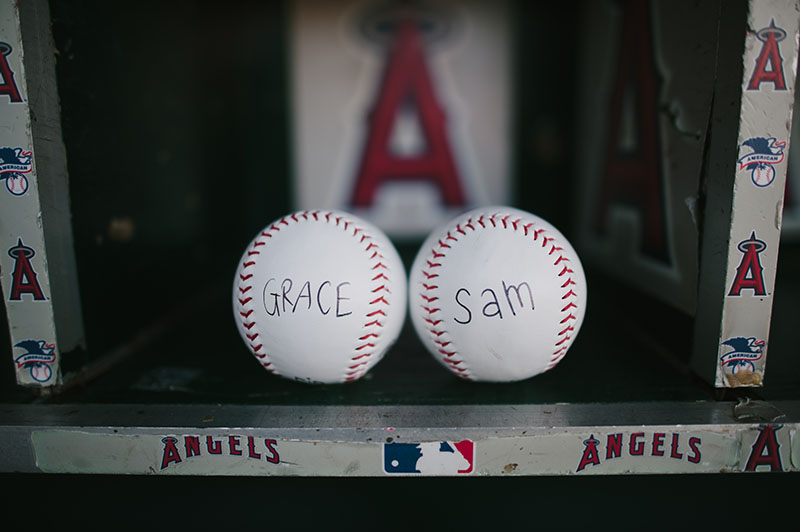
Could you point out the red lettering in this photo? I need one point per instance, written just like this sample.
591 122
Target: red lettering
590 455
407 80
8 87
633 174
636 447
273 457
192 444
770 55
251 448
233 445
614 446
694 445
23 278
750 272
658 444
171 454
673 451
765 450
213 446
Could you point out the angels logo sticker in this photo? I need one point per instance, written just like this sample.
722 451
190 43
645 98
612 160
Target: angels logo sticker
769 63
429 458
14 164
179 449
408 82
766 450
406 120
640 445
767 152
24 279
750 272
37 357
8 87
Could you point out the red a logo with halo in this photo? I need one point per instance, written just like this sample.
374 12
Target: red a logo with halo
8 87
770 55
750 272
24 279
407 80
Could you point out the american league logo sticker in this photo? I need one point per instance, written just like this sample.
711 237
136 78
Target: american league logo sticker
741 360
761 161
37 357
15 163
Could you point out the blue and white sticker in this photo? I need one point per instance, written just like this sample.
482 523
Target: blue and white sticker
761 161
37 357
14 164
429 458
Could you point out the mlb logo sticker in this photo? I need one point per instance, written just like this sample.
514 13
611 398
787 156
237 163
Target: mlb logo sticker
429 458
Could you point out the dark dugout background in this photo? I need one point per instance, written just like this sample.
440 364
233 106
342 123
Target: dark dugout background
171 110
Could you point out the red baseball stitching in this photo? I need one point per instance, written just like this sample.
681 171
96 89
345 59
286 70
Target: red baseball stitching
446 351
361 361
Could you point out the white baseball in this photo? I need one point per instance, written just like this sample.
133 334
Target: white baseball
497 295
320 296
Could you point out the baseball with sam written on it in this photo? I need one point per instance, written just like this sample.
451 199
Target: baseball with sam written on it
497 294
